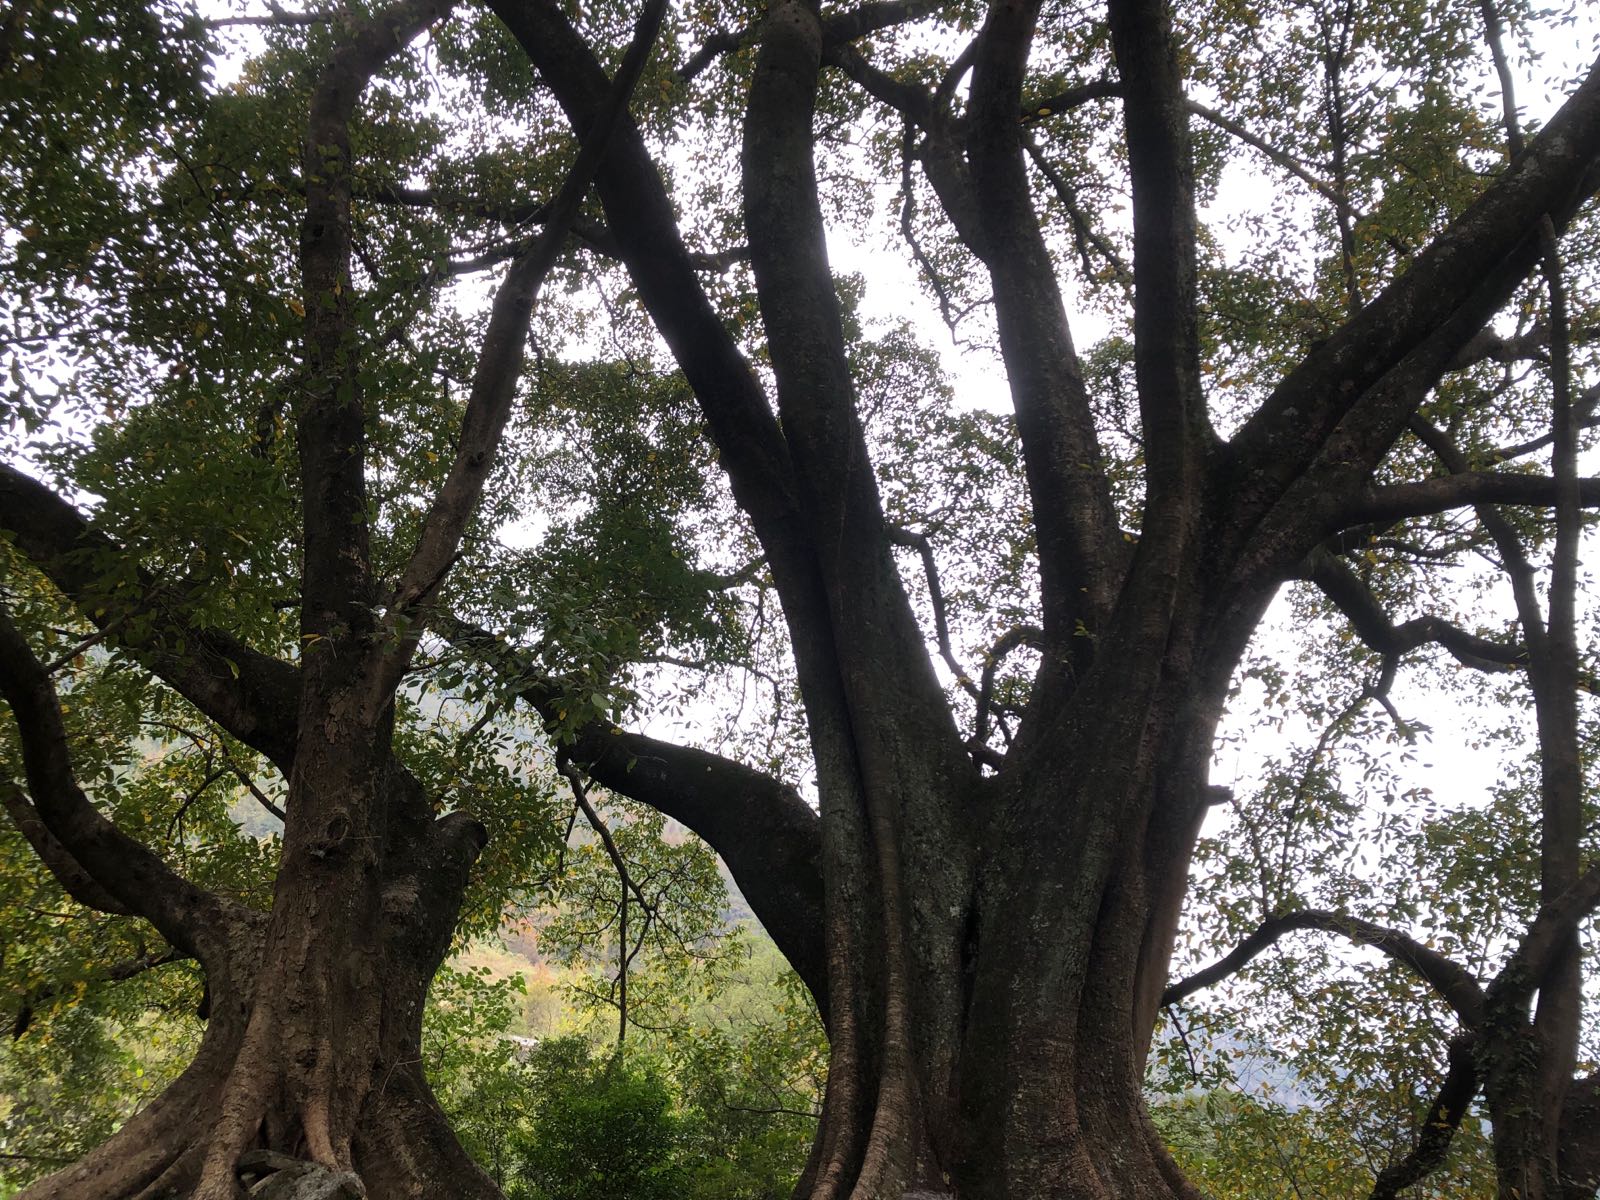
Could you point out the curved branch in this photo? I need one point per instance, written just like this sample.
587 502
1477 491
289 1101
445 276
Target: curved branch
1439 1126
58 860
251 695
191 918
1022 635
769 837
1374 626
751 447
1083 231
1453 982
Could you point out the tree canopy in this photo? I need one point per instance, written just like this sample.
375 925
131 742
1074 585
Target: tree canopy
424 429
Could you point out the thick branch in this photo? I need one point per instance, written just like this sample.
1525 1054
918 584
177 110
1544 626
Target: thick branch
250 694
1453 982
799 304
1079 544
1580 1139
336 614
740 421
769 837
58 860
1546 938
837 30
1420 322
1468 489
871 617
1166 306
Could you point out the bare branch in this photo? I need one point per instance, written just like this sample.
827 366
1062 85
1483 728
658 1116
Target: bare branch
1276 156
277 18
919 542
1083 230
1022 635
948 311
117 972
1453 982
1375 627
580 795
1106 89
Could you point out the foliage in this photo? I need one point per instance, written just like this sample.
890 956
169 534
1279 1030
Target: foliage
152 195
84 1068
720 1108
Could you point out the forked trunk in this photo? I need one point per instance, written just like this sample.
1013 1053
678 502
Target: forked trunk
994 1047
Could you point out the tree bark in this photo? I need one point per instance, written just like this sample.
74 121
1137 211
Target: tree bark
400 1142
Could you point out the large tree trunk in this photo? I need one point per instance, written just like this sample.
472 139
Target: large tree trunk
328 1074
1050 976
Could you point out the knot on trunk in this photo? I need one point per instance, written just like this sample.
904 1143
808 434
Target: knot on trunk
272 1176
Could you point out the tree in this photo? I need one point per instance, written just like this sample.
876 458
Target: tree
987 918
